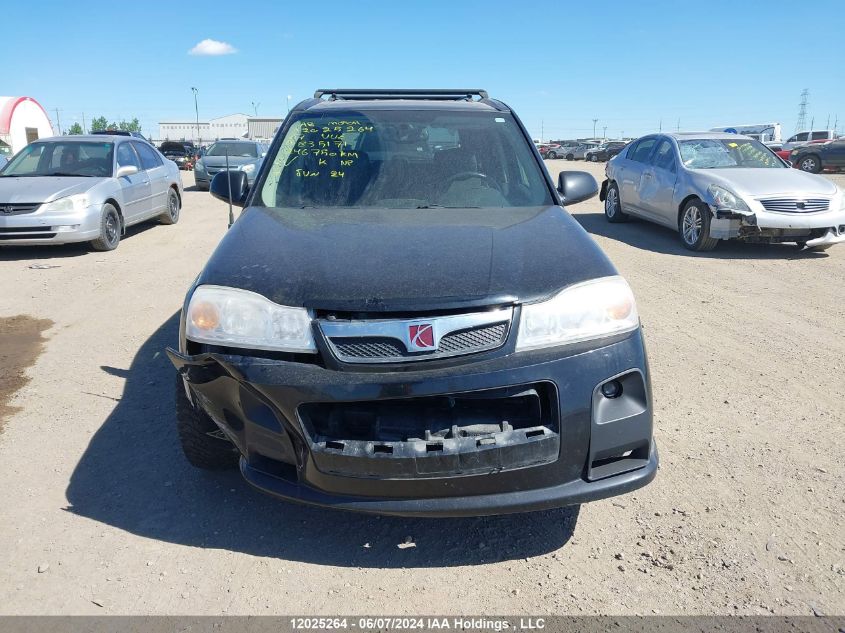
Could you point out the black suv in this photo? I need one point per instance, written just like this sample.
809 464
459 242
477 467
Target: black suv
404 320
818 156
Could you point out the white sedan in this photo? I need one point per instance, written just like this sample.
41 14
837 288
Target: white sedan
712 187
85 189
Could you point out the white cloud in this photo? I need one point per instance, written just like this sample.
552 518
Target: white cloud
212 47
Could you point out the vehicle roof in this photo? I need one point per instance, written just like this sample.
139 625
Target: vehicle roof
90 138
686 136
321 105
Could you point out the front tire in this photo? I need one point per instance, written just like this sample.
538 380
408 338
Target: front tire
570 157
613 205
694 227
551 156
171 216
110 227
594 158
810 163
199 436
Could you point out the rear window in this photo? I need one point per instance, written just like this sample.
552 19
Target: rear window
244 150
404 159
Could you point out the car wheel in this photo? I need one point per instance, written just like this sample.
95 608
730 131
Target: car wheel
570 157
810 163
203 444
594 158
110 227
613 205
694 227
171 216
551 156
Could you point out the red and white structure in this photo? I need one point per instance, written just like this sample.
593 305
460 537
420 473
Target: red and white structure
22 120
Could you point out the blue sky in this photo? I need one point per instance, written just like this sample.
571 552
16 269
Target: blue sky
558 64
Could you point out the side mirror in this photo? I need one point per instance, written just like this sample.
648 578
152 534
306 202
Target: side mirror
126 170
230 186
576 186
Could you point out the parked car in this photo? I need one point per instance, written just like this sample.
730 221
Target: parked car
712 187
85 188
605 151
243 155
179 152
137 135
814 157
560 151
580 152
806 137
388 328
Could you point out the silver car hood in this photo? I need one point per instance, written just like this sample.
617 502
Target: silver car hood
220 161
43 188
757 183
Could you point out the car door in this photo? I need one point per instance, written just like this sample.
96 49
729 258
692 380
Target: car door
158 174
833 154
135 187
631 174
657 186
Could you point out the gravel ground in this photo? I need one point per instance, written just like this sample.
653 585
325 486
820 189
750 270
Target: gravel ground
101 514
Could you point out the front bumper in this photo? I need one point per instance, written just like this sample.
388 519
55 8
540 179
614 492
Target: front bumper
589 447
37 227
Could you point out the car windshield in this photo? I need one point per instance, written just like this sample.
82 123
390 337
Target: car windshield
404 159
62 158
246 150
727 154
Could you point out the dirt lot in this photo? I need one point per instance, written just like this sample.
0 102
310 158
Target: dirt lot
99 512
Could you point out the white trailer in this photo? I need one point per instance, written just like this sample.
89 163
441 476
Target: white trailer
769 133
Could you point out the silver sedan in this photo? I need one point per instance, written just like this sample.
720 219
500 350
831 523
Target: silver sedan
85 189
712 187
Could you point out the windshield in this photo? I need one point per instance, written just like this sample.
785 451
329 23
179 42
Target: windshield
59 158
247 150
404 159
728 153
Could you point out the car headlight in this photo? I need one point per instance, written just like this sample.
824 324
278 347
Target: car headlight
68 204
248 169
590 310
239 318
726 199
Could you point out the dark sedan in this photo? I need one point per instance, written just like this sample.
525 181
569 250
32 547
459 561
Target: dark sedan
816 157
605 151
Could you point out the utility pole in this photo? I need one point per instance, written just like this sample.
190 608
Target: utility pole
197 111
255 107
678 129
660 126
828 122
84 125
594 127
58 121
812 124
604 132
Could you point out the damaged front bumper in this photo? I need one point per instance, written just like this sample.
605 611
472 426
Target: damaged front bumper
815 229
527 431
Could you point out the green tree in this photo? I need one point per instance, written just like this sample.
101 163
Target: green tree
100 123
130 126
76 129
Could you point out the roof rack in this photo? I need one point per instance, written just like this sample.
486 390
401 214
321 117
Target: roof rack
359 94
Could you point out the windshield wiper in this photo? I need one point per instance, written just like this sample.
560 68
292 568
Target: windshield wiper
67 173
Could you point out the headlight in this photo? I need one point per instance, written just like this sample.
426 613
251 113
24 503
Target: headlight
69 204
249 168
726 199
590 310
240 318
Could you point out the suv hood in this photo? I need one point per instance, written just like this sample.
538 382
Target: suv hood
43 188
220 161
380 260
758 183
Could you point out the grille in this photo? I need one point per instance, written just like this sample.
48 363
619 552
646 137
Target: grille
26 233
372 348
17 208
482 337
796 205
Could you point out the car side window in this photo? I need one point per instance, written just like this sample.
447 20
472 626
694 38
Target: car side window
126 156
800 137
642 150
664 157
149 158
819 136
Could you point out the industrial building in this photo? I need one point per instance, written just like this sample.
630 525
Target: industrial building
262 127
22 120
230 126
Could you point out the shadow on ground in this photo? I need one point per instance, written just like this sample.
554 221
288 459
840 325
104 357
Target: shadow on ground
660 239
10 252
134 477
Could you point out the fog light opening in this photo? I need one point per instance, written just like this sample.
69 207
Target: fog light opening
611 389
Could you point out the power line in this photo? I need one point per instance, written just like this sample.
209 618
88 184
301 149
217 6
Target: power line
802 111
